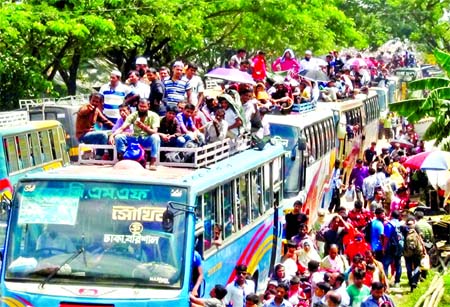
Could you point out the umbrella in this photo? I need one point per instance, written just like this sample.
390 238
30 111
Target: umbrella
429 160
356 61
402 143
316 75
231 74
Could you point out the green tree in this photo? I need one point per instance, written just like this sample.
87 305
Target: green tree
436 104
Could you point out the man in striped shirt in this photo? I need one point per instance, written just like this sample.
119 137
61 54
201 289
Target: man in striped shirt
176 87
115 93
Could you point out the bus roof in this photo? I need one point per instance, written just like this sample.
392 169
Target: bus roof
299 120
197 178
28 126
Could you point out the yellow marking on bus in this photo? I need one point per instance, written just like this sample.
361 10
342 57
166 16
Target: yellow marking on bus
11 302
261 251
215 268
73 151
53 165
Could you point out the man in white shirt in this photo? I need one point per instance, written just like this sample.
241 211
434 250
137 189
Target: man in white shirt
238 289
308 62
196 83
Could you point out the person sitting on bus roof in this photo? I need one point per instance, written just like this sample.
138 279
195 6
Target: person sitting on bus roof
124 111
145 124
169 130
232 117
216 130
187 127
87 116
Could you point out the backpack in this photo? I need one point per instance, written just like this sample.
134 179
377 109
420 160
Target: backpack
412 245
396 241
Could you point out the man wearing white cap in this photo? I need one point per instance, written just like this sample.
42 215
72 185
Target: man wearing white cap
308 62
115 93
142 66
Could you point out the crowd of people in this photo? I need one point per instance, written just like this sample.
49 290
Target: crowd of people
351 256
170 107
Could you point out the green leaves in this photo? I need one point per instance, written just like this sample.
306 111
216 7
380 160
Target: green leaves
436 104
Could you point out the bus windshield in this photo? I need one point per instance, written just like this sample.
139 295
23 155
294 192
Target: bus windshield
97 232
292 160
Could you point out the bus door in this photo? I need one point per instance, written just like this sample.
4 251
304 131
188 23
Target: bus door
198 249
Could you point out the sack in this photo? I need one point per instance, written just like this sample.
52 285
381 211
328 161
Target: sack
412 245
425 263
396 241
135 152
350 194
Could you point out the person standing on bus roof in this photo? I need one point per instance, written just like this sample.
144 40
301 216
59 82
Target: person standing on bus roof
145 132
87 116
239 288
115 93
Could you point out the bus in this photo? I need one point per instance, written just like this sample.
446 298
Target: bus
63 109
357 126
311 148
29 146
126 235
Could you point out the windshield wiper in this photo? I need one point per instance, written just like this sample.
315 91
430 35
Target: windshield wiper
67 261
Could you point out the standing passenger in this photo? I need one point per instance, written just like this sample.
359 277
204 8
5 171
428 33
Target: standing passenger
239 288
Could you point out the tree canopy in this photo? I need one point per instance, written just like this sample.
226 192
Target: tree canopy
44 40
436 104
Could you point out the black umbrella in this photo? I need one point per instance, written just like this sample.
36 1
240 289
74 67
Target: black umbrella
315 75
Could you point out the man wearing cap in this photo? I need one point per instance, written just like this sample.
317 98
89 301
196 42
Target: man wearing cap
115 93
238 289
177 87
308 62
141 66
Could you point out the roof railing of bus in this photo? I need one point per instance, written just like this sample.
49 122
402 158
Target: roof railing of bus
303 107
76 100
13 118
198 156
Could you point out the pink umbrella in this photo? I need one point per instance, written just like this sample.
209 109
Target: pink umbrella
231 74
369 63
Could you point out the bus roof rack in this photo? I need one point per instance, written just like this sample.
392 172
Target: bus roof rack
194 157
76 100
13 118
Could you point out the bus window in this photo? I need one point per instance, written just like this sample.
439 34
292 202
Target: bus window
228 214
317 136
267 188
328 137
255 186
243 205
14 163
211 218
24 151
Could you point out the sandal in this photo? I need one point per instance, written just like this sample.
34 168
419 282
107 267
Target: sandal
153 167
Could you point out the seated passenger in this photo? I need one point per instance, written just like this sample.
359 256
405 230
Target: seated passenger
169 130
187 126
87 116
145 124
233 120
52 241
124 111
216 130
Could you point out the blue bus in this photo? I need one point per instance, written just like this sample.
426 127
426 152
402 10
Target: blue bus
98 235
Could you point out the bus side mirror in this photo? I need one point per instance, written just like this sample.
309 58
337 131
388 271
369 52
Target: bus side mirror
301 143
167 220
